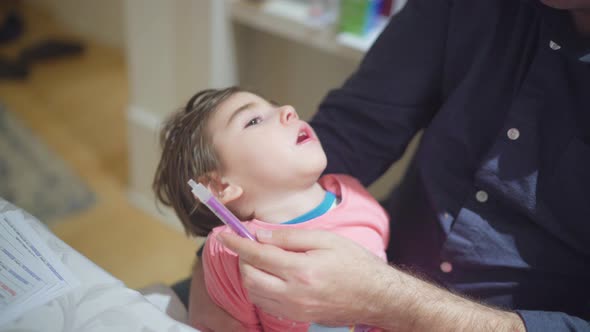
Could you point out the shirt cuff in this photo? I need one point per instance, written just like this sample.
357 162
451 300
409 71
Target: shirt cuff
552 321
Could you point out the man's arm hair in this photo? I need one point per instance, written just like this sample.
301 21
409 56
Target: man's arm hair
427 307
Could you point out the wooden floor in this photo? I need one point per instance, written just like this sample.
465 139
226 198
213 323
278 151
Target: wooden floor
77 107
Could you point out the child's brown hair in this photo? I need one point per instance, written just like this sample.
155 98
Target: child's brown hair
187 153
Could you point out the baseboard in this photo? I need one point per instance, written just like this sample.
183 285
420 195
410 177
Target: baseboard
144 118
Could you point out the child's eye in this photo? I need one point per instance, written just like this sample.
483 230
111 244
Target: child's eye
253 122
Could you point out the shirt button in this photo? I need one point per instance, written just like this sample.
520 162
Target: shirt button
446 267
513 134
553 45
481 196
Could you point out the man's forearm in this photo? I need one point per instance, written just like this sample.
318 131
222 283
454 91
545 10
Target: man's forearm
402 302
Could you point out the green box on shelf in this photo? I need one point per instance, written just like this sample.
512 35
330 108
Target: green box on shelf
358 16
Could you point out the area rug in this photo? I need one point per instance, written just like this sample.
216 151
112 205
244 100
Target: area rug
34 178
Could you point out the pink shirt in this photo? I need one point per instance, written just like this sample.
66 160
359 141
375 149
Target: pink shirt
358 217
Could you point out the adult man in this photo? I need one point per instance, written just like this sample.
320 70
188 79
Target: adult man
495 204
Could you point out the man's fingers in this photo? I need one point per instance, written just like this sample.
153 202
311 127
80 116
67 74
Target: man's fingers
297 240
258 281
262 256
270 306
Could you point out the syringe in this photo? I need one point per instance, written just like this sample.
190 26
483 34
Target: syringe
225 215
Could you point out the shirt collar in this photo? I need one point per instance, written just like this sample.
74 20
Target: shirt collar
563 34
327 204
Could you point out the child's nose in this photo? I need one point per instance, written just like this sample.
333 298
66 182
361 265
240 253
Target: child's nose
288 114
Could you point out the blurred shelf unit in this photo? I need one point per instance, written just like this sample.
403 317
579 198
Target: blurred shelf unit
289 19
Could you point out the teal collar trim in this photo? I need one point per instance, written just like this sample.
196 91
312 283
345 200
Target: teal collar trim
324 206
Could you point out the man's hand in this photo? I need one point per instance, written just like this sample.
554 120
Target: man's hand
314 276
320 277
203 314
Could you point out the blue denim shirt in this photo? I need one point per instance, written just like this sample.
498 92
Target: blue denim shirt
496 203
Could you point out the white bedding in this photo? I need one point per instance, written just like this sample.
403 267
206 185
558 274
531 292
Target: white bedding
101 302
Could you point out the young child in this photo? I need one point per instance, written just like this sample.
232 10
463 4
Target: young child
264 164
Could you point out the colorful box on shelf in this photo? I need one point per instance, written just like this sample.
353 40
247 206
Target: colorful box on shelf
359 17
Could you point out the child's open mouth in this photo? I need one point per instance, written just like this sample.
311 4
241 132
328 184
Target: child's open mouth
304 135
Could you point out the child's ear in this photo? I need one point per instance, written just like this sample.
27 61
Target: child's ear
230 192
224 190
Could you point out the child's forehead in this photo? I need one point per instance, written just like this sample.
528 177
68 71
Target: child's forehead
241 98
238 101
233 104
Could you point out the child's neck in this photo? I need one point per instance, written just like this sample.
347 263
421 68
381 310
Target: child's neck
288 205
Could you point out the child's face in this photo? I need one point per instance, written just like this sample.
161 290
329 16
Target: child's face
262 146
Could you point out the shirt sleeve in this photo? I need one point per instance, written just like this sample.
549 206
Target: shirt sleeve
366 124
224 283
552 321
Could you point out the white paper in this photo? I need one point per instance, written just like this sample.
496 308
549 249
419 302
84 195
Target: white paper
31 274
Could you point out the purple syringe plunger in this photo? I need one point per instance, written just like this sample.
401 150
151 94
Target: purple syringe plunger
225 215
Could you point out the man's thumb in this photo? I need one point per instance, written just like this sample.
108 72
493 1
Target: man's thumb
297 240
